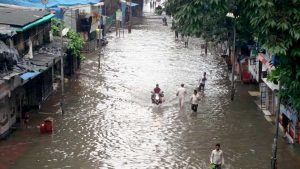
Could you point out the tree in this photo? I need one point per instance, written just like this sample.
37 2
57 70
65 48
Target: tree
277 26
207 18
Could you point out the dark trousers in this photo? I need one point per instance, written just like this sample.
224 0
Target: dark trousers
218 166
201 86
195 107
186 44
98 43
176 34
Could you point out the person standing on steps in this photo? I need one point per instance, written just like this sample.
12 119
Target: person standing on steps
217 158
181 92
194 101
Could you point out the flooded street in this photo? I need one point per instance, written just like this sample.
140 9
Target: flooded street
110 122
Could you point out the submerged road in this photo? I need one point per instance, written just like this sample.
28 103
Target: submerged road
111 123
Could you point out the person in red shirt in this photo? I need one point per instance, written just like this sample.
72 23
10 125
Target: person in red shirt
157 89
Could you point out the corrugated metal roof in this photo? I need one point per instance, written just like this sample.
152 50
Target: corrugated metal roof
20 17
51 3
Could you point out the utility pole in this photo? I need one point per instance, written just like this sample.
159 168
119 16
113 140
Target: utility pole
62 65
274 146
233 64
231 15
130 13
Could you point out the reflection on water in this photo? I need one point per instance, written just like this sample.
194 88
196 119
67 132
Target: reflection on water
111 123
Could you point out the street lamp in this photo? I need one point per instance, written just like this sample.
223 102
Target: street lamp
231 15
274 147
62 61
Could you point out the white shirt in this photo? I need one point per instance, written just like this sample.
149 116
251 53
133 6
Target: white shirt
181 92
217 157
195 99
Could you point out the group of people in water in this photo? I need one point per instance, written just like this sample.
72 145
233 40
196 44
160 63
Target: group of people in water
196 96
216 157
181 93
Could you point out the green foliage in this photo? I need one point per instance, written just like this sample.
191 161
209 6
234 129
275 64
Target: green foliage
55 26
275 24
76 44
208 19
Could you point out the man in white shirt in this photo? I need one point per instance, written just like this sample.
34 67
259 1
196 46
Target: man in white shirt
194 100
181 92
217 158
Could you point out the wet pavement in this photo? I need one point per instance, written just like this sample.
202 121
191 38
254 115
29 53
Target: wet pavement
109 120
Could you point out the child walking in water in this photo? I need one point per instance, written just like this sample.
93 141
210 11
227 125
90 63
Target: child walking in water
202 82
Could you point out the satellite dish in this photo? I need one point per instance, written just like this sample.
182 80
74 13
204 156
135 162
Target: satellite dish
44 2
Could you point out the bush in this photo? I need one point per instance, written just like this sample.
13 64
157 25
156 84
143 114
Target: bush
76 44
55 26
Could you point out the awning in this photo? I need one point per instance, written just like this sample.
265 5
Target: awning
29 75
37 22
271 85
264 61
129 3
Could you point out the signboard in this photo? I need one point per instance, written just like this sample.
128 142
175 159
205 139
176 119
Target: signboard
119 15
264 61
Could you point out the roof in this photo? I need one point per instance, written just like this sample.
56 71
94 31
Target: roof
44 59
20 17
6 30
29 75
51 3
45 56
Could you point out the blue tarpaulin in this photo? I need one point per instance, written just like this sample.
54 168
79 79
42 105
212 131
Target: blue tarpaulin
29 75
51 3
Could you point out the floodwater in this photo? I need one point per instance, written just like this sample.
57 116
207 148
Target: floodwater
109 120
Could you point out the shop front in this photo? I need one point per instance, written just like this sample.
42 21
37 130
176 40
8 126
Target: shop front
268 89
289 123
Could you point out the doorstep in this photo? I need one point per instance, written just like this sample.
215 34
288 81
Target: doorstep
266 112
289 138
